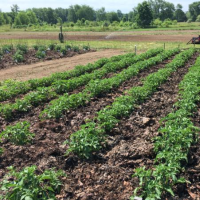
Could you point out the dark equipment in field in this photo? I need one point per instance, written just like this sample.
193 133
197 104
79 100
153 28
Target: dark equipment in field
194 40
61 36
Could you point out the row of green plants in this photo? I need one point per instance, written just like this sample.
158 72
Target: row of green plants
97 87
63 86
45 94
92 135
11 88
34 98
22 49
27 184
177 135
18 56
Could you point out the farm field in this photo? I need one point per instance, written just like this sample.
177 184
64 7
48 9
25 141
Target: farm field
98 123
42 69
133 36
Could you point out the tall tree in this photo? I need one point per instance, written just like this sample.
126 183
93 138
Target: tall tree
179 15
71 14
85 12
162 9
144 14
194 10
101 14
112 16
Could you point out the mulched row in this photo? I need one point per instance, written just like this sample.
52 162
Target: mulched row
108 174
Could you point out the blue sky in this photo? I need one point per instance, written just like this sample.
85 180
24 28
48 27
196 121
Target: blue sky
110 5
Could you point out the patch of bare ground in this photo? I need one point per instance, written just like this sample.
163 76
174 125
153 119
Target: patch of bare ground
46 68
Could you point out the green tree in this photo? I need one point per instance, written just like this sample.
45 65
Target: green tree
2 19
71 14
32 17
101 14
112 16
194 10
85 12
144 14
162 9
14 11
22 19
179 15
119 14
198 18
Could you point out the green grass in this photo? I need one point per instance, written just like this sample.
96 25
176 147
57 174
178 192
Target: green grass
126 45
56 28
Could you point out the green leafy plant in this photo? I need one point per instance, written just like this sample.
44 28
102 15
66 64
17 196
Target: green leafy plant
63 51
86 47
177 136
27 185
1 151
75 48
123 106
7 48
51 47
22 47
68 47
40 54
58 48
18 134
36 47
18 56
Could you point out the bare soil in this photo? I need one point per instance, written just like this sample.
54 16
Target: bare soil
46 68
108 174
142 36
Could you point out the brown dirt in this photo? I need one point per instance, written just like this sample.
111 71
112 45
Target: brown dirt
114 36
30 57
46 68
108 174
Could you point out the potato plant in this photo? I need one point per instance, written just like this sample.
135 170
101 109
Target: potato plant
177 136
18 134
16 87
97 87
28 185
123 106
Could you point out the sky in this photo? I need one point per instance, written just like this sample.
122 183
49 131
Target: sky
110 5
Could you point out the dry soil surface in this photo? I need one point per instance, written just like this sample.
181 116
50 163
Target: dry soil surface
42 69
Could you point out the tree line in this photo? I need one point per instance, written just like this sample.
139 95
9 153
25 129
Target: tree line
149 12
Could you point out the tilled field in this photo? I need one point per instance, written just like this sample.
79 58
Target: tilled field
30 57
107 174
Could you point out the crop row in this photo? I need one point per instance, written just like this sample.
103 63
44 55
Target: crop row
10 88
177 136
91 135
45 94
97 88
